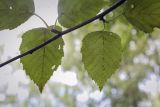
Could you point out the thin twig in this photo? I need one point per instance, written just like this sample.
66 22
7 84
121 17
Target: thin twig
42 20
114 6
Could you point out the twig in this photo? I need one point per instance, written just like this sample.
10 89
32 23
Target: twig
99 16
42 20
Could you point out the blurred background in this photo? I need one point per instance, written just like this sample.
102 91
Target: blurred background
135 84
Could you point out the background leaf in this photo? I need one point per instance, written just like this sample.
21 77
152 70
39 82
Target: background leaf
15 12
101 54
143 14
73 12
41 64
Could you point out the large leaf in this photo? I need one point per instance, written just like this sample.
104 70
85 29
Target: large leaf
72 12
41 64
15 12
101 55
143 14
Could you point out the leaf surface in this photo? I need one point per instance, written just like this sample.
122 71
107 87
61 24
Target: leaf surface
15 12
73 12
41 64
101 55
143 14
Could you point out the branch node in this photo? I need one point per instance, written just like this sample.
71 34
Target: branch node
31 52
102 19
55 31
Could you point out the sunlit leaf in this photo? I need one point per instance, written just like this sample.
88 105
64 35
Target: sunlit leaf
101 55
41 64
143 14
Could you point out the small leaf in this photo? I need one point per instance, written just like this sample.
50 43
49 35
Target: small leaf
15 12
73 12
143 14
101 55
41 64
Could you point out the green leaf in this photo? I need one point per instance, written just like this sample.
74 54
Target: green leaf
15 12
101 55
143 14
41 64
73 12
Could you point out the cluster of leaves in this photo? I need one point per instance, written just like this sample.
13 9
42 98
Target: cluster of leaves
101 50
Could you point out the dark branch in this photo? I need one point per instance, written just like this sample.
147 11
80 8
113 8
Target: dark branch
99 16
102 19
55 31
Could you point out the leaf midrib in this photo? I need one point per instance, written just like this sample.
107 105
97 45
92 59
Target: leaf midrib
43 59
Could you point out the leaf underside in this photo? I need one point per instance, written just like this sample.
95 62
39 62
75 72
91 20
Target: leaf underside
101 55
15 12
143 14
41 64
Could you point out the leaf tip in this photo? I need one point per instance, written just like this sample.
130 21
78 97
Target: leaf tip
41 88
100 88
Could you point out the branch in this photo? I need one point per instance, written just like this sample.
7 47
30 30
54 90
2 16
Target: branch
99 16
